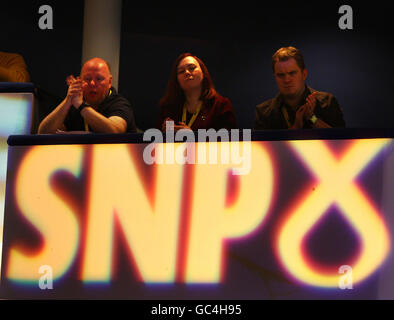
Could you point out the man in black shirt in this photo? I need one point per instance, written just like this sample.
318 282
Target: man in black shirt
91 104
296 106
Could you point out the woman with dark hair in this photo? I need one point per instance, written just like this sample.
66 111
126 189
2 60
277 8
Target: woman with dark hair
191 100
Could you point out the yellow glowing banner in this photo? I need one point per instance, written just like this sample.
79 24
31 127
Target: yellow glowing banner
15 118
87 207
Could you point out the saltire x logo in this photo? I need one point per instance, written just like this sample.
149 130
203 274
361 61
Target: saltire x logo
336 186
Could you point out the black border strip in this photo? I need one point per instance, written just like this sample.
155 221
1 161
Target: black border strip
17 87
267 135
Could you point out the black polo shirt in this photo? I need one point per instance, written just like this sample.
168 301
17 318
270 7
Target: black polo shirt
113 105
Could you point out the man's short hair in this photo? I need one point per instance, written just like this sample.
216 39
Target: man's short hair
108 65
286 53
105 61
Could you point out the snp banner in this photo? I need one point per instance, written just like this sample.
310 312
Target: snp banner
302 219
15 118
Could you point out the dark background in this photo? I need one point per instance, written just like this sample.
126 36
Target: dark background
235 42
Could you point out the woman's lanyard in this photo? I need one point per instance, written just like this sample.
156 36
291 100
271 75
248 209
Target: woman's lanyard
195 114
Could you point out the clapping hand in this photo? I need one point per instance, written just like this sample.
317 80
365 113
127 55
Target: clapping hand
164 125
310 106
299 118
74 93
175 127
181 125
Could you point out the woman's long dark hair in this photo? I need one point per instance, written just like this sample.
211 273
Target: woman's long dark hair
174 95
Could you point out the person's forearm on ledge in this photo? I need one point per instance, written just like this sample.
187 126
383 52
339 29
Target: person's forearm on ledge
98 123
55 120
